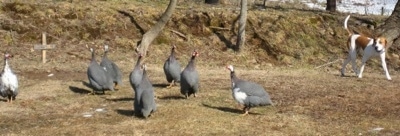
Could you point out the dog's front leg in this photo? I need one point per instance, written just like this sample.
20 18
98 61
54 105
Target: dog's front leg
384 66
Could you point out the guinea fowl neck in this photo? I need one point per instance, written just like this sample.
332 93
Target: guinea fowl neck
6 66
192 64
93 57
172 54
138 62
105 54
233 76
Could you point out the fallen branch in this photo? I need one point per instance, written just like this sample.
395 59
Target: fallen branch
328 63
179 34
220 28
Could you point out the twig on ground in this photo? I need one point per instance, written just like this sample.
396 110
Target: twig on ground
328 63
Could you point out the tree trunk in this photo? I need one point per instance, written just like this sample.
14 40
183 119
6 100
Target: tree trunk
265 3
211 1
391 29
331 5
151 34
242 25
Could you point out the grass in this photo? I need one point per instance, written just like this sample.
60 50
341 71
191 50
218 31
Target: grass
280 54
307 102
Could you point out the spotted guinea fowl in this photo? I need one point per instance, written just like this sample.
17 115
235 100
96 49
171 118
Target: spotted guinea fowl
190 78
135 77
9 81
248 93
144 103
111 68
98 78
172 68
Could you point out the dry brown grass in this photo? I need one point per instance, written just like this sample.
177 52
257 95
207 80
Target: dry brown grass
280 55
308 102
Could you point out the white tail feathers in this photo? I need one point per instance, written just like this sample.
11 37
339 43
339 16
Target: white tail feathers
345 24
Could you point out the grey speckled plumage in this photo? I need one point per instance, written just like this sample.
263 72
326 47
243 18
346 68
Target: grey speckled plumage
248 93
98 78
172 68
9 81
144 103
190 78
112 69
135 77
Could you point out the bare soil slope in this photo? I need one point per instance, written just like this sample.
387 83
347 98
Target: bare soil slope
283 50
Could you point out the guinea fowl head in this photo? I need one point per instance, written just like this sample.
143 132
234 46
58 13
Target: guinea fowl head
230 68
195 54
105 49
7 56
140 56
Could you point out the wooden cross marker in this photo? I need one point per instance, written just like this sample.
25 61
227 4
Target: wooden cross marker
44 46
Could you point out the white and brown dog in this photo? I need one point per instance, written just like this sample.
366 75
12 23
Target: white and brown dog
370 46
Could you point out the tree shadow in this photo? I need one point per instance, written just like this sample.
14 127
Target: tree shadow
171 97
120 99
226 41
132 20
224 109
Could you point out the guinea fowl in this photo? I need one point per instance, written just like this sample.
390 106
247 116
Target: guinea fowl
172 68
248 93
9 81
111 68
98 77
144 102
190 78
135 77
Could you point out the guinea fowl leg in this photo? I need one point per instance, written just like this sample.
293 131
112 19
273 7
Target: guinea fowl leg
186 95
115 86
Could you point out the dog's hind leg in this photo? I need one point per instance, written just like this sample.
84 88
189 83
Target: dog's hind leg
363 61
353 57
344 65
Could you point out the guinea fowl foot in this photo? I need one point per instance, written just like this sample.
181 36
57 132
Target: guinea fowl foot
246 111
170 85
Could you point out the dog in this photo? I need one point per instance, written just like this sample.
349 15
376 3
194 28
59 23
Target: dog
371 47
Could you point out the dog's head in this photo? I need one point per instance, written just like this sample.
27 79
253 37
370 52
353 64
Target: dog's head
380 44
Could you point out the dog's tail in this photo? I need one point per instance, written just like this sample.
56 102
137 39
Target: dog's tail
345 25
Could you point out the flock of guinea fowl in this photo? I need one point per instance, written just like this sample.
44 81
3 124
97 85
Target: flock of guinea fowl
107 75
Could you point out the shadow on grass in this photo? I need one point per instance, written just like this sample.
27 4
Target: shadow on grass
161 85
84 91
4 100
120 99
174 97
129 113
224 109
79 90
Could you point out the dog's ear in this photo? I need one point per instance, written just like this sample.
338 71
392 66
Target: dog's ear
384 41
